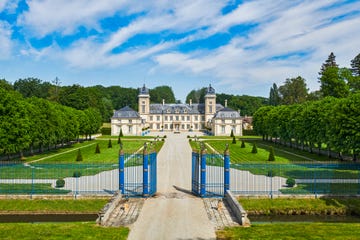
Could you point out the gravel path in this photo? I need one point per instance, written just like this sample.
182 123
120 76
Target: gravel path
174 213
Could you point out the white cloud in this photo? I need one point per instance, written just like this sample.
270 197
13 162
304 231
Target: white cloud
48 16
5 40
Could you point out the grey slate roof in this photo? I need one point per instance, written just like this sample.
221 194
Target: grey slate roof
195 108
227 113
210 90
126 112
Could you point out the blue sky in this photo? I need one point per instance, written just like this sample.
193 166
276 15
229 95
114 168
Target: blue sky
240 47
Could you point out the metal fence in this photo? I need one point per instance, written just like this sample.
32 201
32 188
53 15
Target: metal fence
29 179
310 179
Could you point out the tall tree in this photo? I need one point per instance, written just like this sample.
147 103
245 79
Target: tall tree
32 87
293 91
197 96
332 83
355 65
330 62
274 96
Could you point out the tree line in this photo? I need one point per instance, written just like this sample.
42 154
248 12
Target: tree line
328 118
104 99
29 124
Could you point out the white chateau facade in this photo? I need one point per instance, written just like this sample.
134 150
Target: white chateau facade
209 116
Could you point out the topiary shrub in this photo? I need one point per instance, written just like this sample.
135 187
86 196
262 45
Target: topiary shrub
242 144
271 154
232 133
290 182
60 183
121 133
254 149
97 150
79 157
110 144
271 173
77 174
164 136
190 139
234 140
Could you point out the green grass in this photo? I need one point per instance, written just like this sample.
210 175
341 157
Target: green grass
39 188
48 206
50 231
341 231
324 188
291 206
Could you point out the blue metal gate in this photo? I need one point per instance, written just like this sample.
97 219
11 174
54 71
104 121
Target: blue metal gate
210 174
137 174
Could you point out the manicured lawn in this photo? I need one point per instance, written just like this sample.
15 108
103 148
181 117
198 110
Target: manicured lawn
46 231
39 188
291 206
341 231
324 188
48 206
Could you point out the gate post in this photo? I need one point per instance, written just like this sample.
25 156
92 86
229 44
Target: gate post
203 173
226 169
121 171
145 172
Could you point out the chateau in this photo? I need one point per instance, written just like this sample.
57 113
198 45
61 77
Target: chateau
209 116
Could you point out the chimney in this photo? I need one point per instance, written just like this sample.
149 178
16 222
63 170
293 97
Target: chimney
225 102
190 102
163 102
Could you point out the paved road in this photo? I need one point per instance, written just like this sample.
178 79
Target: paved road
173 214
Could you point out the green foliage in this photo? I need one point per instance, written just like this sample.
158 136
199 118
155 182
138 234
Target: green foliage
293 91
162 92
106 131
60 183
121 133
97 149
271 155
234 140
290 182
274 96
355 65
242 144
232 133
79 157
254 148
332 83
197 96
77 174
110 144
271 173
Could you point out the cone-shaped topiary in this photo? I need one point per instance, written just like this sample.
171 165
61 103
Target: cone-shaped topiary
232 133
271 154
121 133
254 148
242 144
234 140
110 144
79 157
97 150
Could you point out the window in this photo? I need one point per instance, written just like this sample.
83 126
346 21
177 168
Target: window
187 126
171 118
151 118
233 121
177 118
202 118
196 118
130 120
210 109
222 129
143 108
166 118
188 118
157 118
171 126
182 126
166 126
158 126
130 129
151 126
196 126
182 118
